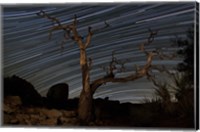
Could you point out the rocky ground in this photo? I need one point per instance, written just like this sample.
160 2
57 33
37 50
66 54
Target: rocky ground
23 105
108 114
14 113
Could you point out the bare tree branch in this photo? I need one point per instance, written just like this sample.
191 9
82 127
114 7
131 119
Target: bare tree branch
89 36
70 30
53 19
151 36
141 72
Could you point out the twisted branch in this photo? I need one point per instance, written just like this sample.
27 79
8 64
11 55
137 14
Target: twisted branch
70 30
141 72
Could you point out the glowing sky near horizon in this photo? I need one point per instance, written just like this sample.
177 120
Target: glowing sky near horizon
28 53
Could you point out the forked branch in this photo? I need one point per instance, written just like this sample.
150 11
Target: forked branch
70 30
141 72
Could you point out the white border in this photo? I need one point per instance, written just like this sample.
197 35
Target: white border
64 1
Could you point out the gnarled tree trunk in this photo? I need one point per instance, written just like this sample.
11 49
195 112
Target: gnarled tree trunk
85 109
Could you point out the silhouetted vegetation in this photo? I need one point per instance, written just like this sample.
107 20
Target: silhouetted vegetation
182 87
187 52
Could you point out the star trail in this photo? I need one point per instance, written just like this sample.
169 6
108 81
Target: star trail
28 52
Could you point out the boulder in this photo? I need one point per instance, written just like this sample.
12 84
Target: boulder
35 119
11 104
7 119
7 109
58 95
14 121
30 110
68 121
16 86
49 122
22 118
53 113
13 100
69 113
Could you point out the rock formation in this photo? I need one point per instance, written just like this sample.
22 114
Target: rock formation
57 95
16 86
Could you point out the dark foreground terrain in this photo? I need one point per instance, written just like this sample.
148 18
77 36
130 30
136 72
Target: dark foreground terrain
24 106
108 114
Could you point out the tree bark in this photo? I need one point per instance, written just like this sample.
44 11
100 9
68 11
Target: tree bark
85 110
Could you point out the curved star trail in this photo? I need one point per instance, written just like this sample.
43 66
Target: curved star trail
28 53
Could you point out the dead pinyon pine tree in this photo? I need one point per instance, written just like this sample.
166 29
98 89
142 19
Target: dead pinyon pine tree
85 110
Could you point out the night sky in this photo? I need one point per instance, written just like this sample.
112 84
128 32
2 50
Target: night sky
29 54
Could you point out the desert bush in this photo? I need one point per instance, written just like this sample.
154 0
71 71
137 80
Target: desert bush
184 93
